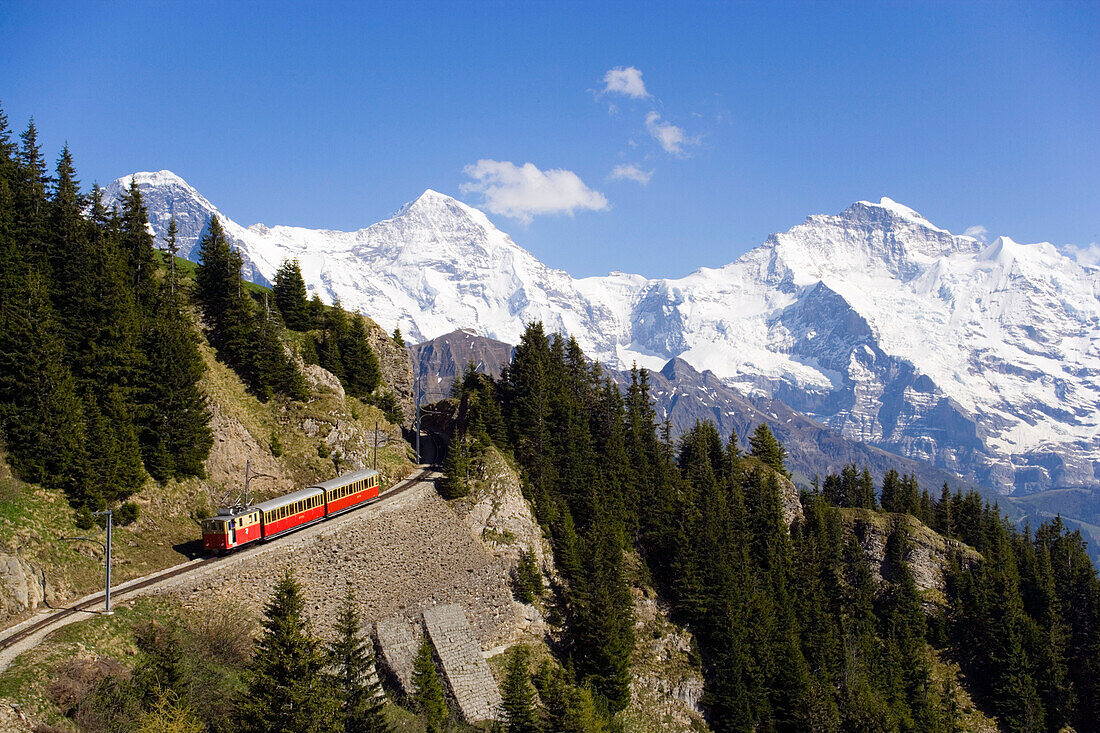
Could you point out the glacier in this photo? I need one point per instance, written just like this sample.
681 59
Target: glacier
983 359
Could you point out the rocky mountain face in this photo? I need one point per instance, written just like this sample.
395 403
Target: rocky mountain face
684 395
442 360
980 359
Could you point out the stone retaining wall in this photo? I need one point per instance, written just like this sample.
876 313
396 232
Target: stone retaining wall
397 558
465 671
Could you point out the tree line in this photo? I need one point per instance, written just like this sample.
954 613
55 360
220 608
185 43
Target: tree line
99 353
99 364
795 629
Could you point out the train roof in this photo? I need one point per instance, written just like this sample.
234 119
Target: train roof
285 499
345 479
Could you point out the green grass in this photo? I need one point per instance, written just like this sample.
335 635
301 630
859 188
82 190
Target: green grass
27 681
33 520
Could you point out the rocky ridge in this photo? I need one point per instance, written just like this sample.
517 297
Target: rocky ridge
980 359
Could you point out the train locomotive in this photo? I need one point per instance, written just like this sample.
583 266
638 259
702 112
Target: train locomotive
239 525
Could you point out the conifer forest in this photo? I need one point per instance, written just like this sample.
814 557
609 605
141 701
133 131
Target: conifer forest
796 627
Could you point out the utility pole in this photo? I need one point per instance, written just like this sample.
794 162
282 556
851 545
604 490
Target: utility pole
418 416
106 555
107 593
375 445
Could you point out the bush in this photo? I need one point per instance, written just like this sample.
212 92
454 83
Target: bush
322 451
84 519
127 513
276 445
387 402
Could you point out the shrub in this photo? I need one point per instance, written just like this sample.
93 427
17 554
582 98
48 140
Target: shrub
127 513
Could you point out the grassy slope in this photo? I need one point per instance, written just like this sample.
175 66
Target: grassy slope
33 519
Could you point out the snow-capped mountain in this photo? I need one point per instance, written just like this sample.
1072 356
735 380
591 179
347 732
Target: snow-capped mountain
983 359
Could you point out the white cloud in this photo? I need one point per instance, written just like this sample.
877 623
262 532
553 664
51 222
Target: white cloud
977 231
631 173
625 80
1088 255
671 138
521 192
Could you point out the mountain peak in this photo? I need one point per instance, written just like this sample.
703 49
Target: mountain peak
432 203
154 179
887 209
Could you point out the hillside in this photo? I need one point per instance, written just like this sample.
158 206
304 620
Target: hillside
42 568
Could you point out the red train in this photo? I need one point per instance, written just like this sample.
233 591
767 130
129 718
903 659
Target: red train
239 525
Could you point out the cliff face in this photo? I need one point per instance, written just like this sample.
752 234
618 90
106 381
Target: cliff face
395 365
928 551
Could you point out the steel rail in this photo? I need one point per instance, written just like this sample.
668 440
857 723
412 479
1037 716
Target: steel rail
137 584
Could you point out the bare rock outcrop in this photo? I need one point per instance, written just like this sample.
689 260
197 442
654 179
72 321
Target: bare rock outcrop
23 585
319 379
928 553
667 685
498 515
395 365
789 501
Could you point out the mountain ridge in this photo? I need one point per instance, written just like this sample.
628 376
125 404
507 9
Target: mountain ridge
982 359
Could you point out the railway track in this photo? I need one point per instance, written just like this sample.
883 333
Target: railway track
14 637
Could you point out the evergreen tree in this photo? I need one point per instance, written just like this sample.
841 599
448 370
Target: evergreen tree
286 685
248 343
769 450
569 709
891 492
362 374
455 482
175 436
162 668
218 290
518 697
427 689
42 416
527 581
358 690
290 296
137 247
602 620
171 251
397 338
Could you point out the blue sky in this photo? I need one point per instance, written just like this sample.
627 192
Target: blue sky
726 121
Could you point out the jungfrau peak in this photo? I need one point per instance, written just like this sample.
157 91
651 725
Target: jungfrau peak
984 359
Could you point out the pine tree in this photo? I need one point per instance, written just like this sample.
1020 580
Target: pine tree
175 435
42 416
427 689
891 492
162 669
171 251
286 684
769 450
137 248
518 697
602 620
218 290
397 338
290 296
249 343
456 470
362 374
358 690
